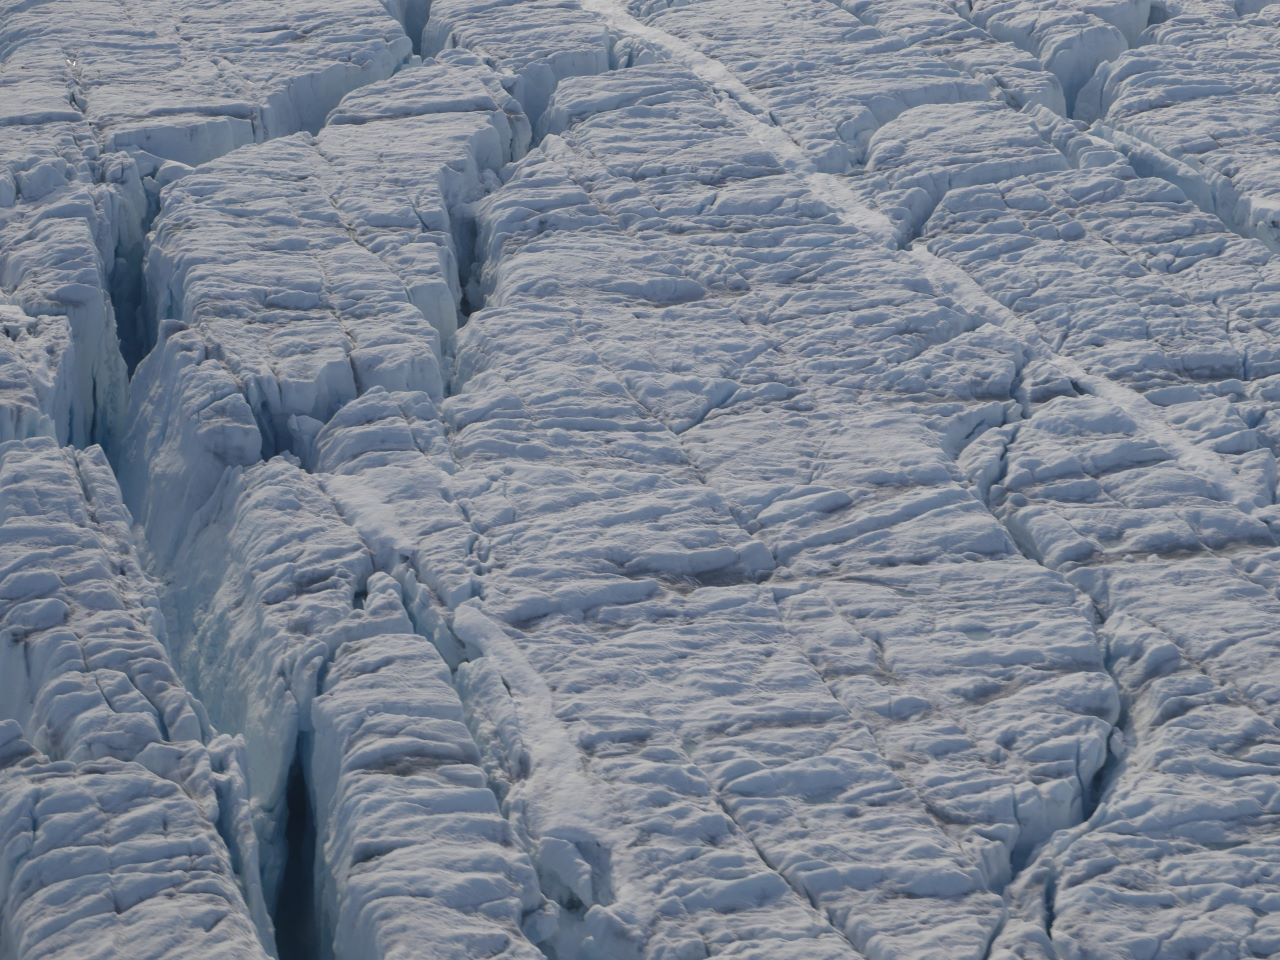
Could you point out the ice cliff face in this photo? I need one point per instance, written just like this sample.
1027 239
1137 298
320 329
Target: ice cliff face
605 479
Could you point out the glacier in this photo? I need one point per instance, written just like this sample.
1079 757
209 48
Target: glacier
639 479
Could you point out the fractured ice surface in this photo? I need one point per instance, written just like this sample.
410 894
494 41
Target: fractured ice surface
1120 273
190 81
102 106
298 645
293 276
1187 839
533 44
721 744
936 26
826 77
798 355
1071 37
650 480
1187 581
64 210
1196 104
558 441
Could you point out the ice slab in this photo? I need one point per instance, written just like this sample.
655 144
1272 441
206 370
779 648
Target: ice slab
191 81
104 858
36 377
86 675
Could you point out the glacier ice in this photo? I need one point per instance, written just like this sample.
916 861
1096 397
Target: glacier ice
263 333
532 44
190 81
638 479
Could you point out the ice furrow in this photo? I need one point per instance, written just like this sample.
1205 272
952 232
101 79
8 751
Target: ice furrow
487 363
1228 512
1164 557
532 44
307 651
93 874
36 379
60 201
1070 37
114 102
1082 178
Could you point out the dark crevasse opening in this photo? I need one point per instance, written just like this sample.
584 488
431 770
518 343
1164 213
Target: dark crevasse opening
412 15
127 300
298 934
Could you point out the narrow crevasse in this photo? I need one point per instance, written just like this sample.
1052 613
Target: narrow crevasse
385 233
528 600
103 744
127 97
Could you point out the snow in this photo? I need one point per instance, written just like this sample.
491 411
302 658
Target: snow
620 479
